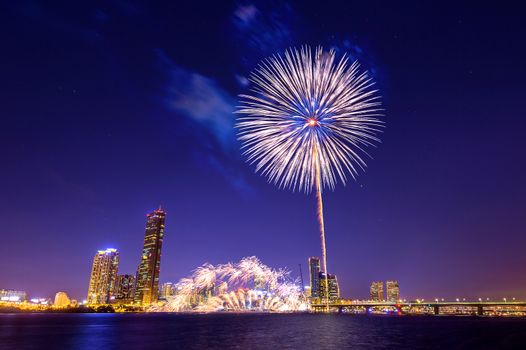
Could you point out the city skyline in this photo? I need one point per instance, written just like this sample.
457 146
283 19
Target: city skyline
100 128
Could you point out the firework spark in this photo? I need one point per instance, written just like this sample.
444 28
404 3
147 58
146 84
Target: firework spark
308 122
247 285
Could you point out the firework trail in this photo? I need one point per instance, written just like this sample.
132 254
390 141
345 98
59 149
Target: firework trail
308 121
247 285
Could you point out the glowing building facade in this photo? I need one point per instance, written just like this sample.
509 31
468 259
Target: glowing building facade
125 288
61 300
334 288
147 285
12 295
314 274
103 276
377 291
393 291
167 290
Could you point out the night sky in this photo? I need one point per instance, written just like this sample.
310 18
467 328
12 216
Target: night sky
109 109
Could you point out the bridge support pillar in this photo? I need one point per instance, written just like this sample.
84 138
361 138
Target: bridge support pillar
436 310
480 310
340 310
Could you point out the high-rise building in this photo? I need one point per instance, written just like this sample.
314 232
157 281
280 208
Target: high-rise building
393 291
314 274
377 291
103 276
125 288
334 288
167 290
147 286
61 300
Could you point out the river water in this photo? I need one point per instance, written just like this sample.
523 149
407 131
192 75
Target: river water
258 331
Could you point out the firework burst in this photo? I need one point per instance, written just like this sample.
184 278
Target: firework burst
308 121
247 285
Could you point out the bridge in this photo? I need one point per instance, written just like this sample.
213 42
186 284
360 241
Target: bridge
406 306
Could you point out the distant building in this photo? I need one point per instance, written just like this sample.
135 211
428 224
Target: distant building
377 291
147 286
260 283
103 276
40 301
314 274
222 288
125 288
393 291
167 290
334 288
12 295
206 293
61 300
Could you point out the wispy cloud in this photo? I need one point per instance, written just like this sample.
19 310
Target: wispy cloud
260 29
204 102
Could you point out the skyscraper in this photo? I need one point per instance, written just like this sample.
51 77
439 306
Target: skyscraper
103 276
393 291
167 290
125 288
377 291
334 288
314 274
147 286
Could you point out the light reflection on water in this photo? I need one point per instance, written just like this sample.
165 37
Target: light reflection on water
255 331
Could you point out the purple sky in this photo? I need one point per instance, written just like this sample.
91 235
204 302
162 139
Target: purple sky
110 109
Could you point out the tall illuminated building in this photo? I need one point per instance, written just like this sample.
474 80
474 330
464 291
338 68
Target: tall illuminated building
103 276
393 291
314 274
125 288
334 288
147 286
167 290
377 291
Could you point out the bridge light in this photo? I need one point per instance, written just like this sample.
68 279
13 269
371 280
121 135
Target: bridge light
480 299
458 299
